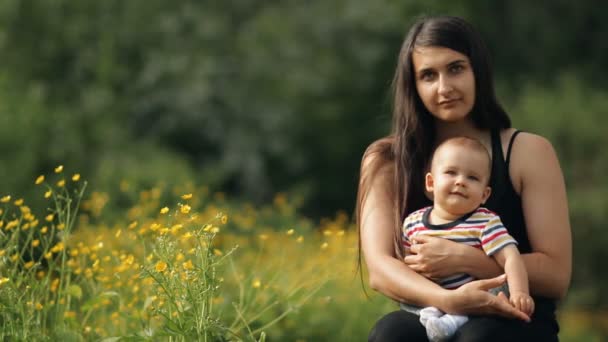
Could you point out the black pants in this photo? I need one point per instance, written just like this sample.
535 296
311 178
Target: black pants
405 326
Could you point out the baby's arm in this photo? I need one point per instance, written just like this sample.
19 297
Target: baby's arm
517 278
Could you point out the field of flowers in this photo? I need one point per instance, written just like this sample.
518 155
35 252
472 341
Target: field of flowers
180 263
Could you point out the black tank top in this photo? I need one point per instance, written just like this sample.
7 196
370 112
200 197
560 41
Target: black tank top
506 202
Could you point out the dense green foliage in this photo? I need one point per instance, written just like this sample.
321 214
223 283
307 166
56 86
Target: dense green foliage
257 97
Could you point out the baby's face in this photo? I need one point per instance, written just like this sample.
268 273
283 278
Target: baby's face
459 179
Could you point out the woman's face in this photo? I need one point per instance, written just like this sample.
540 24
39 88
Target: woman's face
444 81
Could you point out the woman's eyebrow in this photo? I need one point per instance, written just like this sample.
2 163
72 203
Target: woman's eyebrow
450 64
456 62
425 70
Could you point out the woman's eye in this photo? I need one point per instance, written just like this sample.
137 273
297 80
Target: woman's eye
456 68
427 76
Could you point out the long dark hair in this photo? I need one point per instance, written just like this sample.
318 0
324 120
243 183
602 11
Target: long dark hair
410 144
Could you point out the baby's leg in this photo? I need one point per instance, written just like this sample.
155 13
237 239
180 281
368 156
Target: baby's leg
440 326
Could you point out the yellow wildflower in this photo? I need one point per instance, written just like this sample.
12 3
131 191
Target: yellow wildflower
215 230
19 202
69 314
49 217
290 232
44 229
300 239
5 199
35 243
39 180
2 252
187 196
57 248
48 194
76 177
179 257
217 252
29 264
185 209
117 235
12 224
4 280
61 183
324 245
175 228
256 283
164 210
188 265
58 169
186 236
224 219
61 226
132 225
39 306
161 266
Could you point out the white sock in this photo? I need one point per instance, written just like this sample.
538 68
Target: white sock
440 326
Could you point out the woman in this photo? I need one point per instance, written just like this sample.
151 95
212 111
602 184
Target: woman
443 87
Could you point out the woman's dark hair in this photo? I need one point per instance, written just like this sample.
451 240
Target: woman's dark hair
410 144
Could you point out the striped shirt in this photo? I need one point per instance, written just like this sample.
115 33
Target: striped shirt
481 228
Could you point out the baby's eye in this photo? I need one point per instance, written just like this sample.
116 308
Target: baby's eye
474 178
450 172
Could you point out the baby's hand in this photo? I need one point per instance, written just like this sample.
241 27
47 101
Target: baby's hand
523 302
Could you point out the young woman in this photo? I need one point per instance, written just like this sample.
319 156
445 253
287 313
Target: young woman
443 87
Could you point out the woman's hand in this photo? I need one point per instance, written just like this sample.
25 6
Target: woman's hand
474 298
434 257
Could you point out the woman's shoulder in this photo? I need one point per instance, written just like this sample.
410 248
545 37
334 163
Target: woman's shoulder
520 137
529 155
379 154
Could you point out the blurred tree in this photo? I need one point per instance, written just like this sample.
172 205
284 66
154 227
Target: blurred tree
255 97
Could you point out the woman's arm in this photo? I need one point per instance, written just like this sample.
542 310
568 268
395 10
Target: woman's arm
545 207
437 258
387 274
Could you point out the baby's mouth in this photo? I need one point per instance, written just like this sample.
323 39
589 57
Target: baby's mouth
458 193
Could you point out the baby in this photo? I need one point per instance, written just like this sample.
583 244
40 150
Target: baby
458 179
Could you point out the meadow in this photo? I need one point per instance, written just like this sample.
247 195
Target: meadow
181 263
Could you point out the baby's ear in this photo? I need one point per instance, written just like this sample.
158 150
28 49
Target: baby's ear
486 193
428 182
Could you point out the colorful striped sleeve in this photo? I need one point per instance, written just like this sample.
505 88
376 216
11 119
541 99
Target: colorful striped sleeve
494 236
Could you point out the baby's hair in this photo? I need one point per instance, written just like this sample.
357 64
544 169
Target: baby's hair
470 143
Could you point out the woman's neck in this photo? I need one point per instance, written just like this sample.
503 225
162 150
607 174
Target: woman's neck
446 130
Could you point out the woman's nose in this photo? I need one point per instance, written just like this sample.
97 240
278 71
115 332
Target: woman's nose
445 86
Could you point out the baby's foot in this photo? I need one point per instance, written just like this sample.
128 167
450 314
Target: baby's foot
440 327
